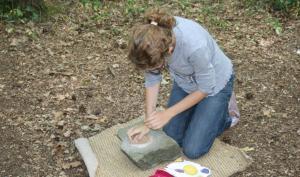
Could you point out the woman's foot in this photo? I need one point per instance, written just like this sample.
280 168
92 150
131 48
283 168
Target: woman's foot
233 110
234 121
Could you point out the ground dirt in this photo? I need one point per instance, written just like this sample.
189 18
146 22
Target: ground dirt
68 77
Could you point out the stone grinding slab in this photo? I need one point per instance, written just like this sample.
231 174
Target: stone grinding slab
161 148
223 160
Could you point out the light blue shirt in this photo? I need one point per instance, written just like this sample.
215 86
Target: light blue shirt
197 62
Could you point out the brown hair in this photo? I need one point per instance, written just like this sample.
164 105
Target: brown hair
149 43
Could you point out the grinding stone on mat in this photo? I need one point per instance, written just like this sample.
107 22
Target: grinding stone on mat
161 148
224 160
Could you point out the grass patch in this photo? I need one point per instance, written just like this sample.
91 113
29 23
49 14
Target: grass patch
286 8
95 4
275 24
12 11
15 10
212 14
134 8
184 4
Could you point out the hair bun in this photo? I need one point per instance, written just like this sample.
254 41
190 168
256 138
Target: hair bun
161 17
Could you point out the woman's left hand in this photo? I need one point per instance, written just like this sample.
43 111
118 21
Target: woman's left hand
158 119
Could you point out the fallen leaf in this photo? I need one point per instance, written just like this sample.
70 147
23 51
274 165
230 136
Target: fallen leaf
14 42
267 112
102 120
115 65
9 30
70 110
71 165
85 127
1 87
265 43
89 34
247 149
62 97
51 53
91 116
121 43
61 123
57 115
109 98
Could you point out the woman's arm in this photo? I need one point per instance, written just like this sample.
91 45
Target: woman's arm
158 119
151 99
186 103
135 134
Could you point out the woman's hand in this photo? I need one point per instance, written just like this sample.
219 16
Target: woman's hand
136 134
158 119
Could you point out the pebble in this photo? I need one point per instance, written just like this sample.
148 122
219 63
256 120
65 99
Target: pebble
115 65
85 127
62 174
67 133
61 123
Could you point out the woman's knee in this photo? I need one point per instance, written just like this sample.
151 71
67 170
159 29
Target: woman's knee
167 130
194 151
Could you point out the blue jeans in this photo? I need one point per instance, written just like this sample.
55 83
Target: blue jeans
196 128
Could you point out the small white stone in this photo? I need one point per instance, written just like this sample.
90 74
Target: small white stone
61 123
115 65
85 127
67 133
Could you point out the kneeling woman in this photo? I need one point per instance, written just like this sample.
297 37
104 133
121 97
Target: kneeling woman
203 81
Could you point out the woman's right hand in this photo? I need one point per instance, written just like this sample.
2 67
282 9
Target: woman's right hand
135 134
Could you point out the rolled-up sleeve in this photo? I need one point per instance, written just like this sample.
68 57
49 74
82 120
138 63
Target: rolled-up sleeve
204 72
152 79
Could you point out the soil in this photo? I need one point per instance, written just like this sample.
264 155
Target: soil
68 77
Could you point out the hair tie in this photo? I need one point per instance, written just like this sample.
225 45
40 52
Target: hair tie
154 23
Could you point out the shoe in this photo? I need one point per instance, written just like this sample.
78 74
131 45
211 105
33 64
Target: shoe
234 121
233 110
